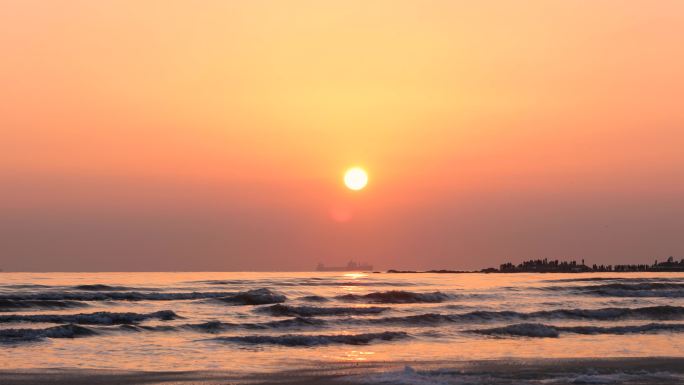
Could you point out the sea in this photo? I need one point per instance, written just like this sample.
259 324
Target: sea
263 322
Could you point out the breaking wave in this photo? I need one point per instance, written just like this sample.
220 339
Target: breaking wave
542 330
253 297
312 311
314 340
62 331
99 318
396 296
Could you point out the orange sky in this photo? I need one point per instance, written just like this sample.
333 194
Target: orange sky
156 135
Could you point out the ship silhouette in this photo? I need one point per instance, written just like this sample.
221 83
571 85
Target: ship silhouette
351 266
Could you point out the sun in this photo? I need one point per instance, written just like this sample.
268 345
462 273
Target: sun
355 178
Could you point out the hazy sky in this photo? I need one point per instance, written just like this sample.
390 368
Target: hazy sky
213 135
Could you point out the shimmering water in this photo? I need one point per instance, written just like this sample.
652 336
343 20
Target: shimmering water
269 321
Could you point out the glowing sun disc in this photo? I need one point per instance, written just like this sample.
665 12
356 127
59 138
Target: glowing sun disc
355 178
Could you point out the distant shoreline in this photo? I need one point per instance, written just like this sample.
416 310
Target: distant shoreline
555 266
530 266
496 271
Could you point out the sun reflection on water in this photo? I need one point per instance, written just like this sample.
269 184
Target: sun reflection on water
355 275
357 355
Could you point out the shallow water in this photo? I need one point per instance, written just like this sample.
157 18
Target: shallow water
252 322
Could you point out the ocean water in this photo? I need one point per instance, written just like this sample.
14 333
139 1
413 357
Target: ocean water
259 322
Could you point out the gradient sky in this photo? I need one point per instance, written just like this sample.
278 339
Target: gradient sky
213 135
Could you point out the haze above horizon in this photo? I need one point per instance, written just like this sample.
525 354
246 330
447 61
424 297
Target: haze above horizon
215 136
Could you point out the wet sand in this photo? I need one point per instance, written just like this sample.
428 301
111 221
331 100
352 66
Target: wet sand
641 371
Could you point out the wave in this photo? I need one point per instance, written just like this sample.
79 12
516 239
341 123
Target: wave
87 287
311 311
314 340
295 322
62 331
253 297
313 298
542 330
101 287
652 327
99 318
616 279
210 327
133 296
304 282
10 305
644 293
522 330
396 296
641 289
213 327
142 328
665 312
112 296
25 286
217 326
604 314
429 319
638 286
